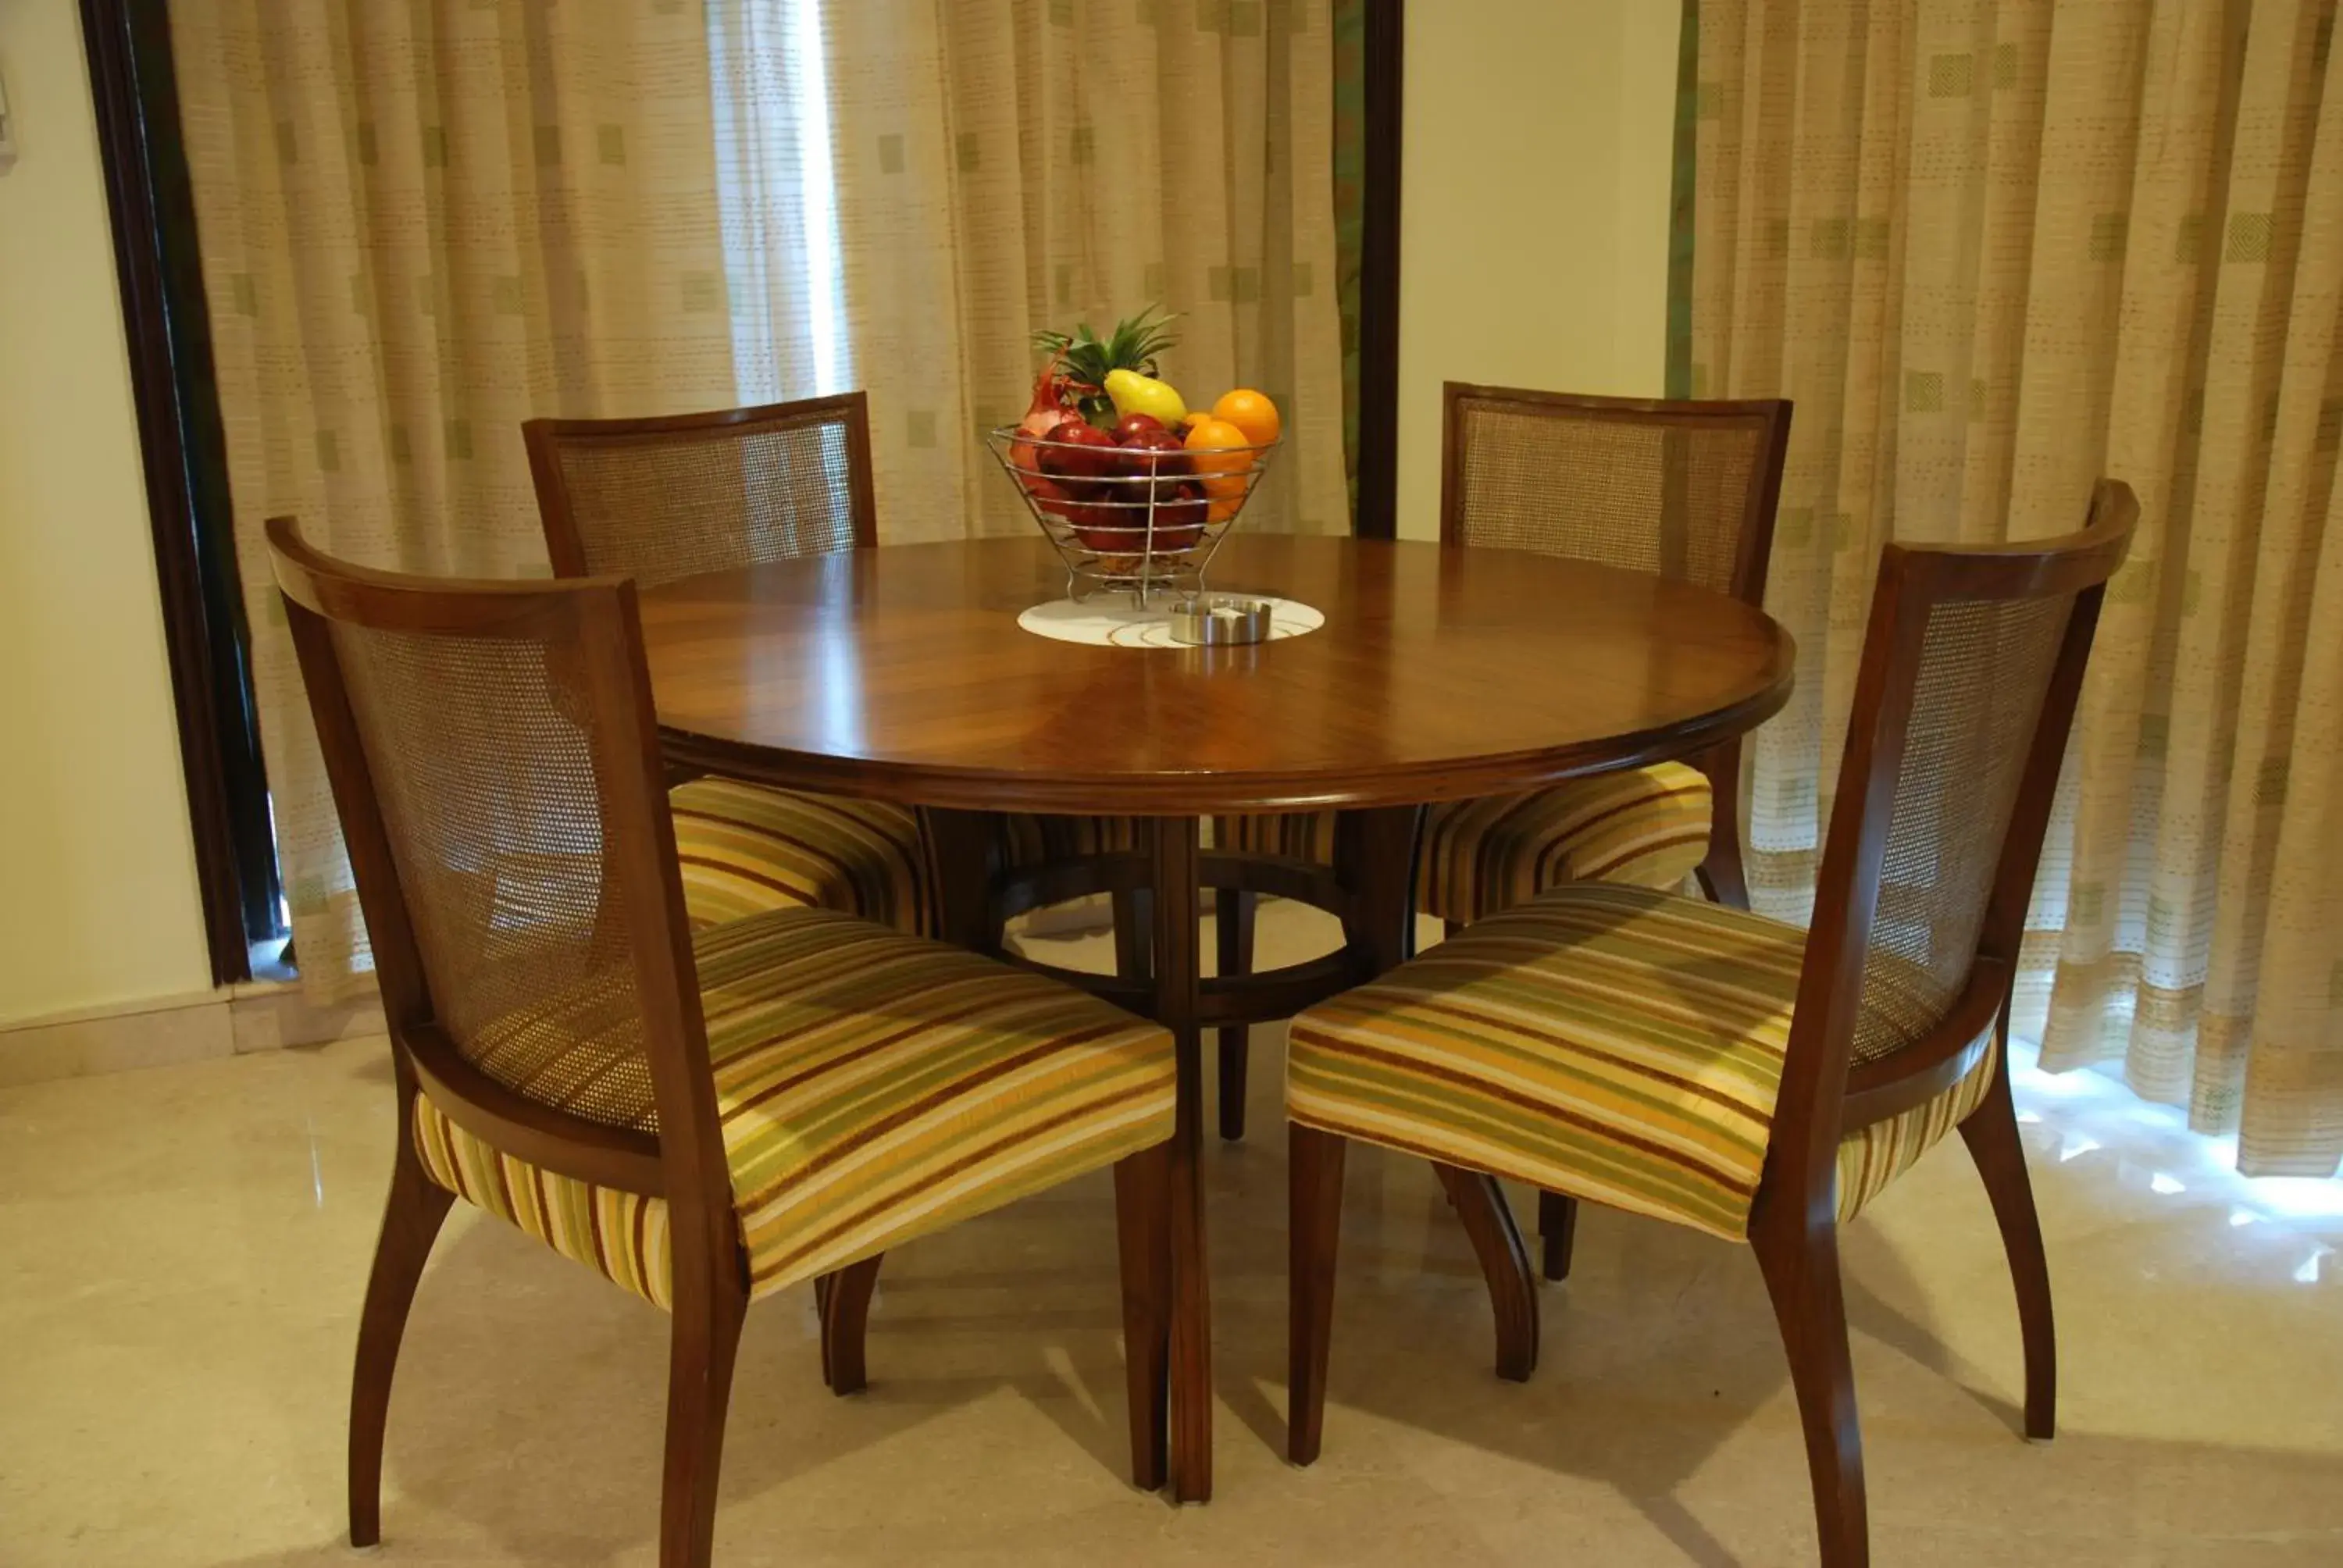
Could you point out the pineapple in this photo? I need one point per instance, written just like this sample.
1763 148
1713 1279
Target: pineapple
1087 360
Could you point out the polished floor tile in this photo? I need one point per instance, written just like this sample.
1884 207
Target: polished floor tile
183 1250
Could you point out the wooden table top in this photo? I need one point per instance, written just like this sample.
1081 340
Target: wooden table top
902 674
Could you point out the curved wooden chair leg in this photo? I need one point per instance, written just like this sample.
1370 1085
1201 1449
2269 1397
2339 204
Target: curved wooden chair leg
1991 1133
1721 879
411 1217
1800 1262
1233 925
704 1337
845 1323
822 1285
1313 1230
1558 1230
1480 1202
1142 1218
1720 872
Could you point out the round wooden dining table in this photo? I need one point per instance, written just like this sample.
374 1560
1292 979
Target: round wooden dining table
902 674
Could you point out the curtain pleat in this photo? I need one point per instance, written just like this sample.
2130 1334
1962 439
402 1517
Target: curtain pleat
1005 165
1994 249
420 225
424 222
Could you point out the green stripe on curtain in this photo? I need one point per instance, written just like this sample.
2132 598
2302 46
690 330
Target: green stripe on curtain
1680 207
1350 31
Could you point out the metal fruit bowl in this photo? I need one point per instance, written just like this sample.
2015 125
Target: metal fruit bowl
1130 519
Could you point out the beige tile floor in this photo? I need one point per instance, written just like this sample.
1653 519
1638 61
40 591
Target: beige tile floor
182 1253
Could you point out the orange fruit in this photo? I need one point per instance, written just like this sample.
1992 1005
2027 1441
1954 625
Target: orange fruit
1217 452
1250 412
1217 447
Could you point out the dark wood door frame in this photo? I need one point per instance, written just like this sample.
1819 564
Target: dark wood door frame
1378 466
185 454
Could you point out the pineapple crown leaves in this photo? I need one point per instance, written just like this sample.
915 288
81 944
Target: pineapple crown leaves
1133 346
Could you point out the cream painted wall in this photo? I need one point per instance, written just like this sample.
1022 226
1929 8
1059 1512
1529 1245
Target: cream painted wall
1538 141
99 904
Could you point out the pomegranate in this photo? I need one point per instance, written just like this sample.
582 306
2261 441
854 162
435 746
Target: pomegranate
1051 406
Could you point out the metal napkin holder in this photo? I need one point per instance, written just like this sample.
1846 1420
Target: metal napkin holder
1214 620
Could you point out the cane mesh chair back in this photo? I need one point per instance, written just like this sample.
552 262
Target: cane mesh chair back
1682 489
663 499
1985 670
488 745
1972 669
484 755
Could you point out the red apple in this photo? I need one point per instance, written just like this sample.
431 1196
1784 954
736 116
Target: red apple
1132 425
1165 456
1179 516
1078 449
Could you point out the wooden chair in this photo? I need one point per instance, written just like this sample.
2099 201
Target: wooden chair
1734 1073
663 499
1683 489
705 1118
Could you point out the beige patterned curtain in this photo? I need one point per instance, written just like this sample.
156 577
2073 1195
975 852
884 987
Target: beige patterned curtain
424 222
1009 165
1994 249
421 225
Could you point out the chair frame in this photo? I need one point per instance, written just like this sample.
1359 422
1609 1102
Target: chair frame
684 1163
1824 1094
547 439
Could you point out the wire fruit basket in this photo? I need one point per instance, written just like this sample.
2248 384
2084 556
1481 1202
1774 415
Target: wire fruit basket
1142 520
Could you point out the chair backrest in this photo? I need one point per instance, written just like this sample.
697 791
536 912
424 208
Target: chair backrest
496 768
1686 489
1972 667
658 499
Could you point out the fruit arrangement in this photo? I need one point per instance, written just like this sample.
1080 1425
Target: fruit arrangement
1133 487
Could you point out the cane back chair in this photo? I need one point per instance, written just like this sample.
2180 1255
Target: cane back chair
1682 489
662 499
1733 1074
704 1117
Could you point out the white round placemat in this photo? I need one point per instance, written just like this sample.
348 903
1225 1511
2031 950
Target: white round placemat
1111 620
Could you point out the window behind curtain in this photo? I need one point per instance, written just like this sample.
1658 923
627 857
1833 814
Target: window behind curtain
783 259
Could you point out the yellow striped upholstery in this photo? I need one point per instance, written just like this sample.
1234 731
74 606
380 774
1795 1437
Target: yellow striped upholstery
746 848
1613 1043
622 1235
873 1087
1643 826
1871 1157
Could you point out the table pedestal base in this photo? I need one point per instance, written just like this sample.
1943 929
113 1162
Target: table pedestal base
1371 889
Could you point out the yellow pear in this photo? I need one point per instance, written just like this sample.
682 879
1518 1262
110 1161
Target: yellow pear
1135 394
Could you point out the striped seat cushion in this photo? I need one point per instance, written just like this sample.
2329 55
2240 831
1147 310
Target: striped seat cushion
1643 826
746 848
873 1087
1614 1043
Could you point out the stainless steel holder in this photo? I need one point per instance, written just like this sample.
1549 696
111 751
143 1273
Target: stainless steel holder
1214 619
